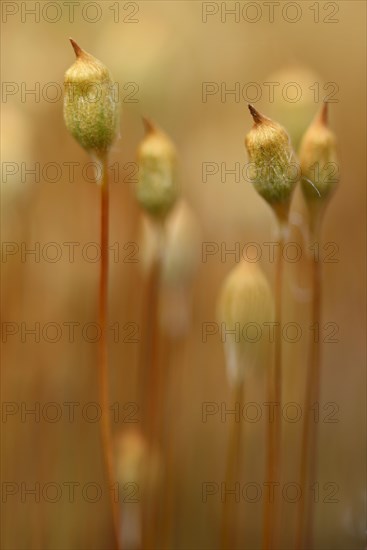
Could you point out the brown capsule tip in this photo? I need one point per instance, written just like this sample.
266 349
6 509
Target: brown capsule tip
323 116
148 125
255 114
77 49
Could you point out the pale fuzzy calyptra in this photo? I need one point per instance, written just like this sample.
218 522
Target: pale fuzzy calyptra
319 161
180 257
295 115
91 108
245 300
157 188
274 166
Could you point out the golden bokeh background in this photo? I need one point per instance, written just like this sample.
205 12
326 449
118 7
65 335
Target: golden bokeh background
168 55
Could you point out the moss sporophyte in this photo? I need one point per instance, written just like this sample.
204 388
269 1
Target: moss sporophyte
320 177
157 188
274 164
91 115
91 106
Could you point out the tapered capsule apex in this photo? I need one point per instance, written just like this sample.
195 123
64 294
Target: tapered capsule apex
77 49
258 117
149 126
324 113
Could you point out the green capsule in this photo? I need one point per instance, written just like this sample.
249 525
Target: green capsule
157 188
245 300
91 108
319 161
274 168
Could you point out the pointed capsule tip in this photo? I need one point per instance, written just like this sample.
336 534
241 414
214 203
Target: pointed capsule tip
324 113
77 49
148 125
255 114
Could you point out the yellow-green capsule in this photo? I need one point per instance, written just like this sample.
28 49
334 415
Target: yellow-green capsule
319 161
245 309
91 107
157 188
274 168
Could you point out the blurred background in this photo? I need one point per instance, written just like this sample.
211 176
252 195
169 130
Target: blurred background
192 67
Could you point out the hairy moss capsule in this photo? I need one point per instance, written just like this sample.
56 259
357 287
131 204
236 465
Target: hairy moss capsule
91 108
274 165
319 161
157 188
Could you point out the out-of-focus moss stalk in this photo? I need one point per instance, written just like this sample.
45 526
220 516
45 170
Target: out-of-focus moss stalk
320 176
156 191
244 299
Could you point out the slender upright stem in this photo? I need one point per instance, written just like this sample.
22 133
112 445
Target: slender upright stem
234 456
148 358
174 355
106 435
310 426
171 400
151 367
316 383
151 377
273 470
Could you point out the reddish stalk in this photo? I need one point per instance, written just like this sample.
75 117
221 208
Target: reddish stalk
169 416
174 357
150 364
151 376
308 468
271 510
106 434
233 468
